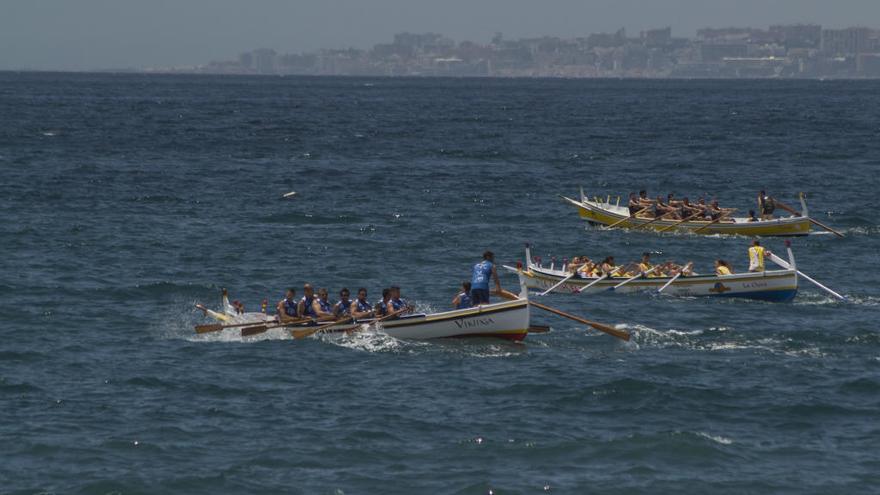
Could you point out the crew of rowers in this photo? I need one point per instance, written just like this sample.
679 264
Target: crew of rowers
318 307
584 267
642 206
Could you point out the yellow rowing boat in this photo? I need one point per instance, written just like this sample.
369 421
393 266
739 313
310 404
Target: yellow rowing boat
599 212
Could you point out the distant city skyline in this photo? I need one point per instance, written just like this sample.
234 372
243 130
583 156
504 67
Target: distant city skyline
104 34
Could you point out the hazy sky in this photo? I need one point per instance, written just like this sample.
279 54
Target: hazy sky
93 34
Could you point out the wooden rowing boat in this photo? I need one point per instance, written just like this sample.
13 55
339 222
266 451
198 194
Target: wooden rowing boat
602 212
770 285
506 319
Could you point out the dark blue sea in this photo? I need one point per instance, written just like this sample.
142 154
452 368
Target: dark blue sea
126 199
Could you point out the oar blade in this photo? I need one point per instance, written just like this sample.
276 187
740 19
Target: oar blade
212 327
539 328
248 331
620 334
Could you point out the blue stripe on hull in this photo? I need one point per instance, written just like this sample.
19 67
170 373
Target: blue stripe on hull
764 295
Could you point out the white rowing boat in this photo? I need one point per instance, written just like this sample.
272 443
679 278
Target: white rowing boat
771 285
506 319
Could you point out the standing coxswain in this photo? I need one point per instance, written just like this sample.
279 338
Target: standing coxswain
756 256
481 273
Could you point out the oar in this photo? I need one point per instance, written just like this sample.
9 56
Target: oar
301 334
676 224
784 264
615 224
377 320
216 327
633 278
658 217
720 217
603 277
816 222
248 331
620 334
539 328
668 283
566 279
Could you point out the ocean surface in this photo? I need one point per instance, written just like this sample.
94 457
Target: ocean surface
129 198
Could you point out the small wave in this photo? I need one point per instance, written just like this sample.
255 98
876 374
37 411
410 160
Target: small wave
715 438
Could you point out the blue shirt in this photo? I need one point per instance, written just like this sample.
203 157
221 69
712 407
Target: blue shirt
307 306
481 274
363 306
342 308
464 301
289 307
398 304
381 308
325 306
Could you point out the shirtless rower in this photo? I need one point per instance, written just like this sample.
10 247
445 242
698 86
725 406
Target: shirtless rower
287 307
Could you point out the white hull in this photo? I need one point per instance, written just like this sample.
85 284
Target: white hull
771 285
507 319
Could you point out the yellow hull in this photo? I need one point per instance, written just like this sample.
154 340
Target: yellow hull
776 227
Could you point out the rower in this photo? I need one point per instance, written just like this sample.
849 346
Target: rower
305 307
756 256
634 205
481 273
645 265
766 205
752 216
687 209
382 306
343 307
396 305
321 306
463 299
287 307
587 270
661 208
643 199
607 266
722 267
360 308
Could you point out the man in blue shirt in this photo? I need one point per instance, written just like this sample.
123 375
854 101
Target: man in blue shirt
480 279
286 307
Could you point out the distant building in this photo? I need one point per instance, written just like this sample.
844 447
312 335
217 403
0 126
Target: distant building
797 35
264 60
849 41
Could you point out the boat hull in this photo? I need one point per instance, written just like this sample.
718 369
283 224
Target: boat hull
607 214
506 320
775 285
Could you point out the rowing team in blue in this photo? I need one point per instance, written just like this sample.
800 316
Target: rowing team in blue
319 308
